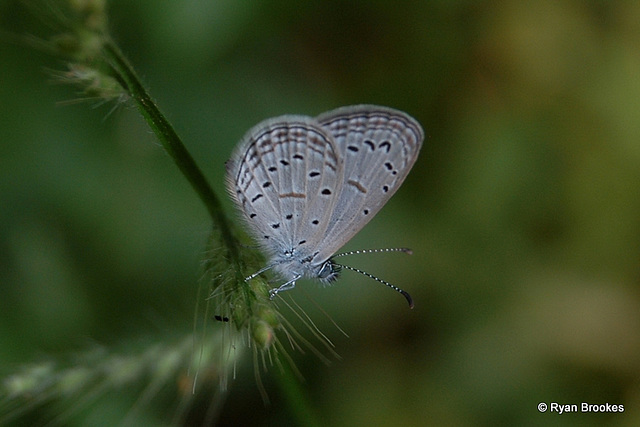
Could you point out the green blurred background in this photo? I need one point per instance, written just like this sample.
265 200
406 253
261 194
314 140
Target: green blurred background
523 209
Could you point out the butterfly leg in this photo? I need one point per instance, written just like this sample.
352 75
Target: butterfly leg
284 287
259 272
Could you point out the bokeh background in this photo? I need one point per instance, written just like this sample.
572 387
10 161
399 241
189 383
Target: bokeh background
523 209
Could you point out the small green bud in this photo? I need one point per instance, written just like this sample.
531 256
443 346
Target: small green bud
268 315
262 334
66 45
92 13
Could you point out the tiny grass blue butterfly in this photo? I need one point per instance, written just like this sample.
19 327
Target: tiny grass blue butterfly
306 186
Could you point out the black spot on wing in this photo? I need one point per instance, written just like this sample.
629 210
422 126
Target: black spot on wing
385 145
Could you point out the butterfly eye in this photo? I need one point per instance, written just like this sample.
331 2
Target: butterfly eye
329 271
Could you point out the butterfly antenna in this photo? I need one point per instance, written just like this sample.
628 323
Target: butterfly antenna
384 282
373 251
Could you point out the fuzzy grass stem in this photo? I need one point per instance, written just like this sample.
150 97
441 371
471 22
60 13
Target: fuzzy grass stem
127 77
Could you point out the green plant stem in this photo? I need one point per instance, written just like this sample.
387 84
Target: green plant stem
171 142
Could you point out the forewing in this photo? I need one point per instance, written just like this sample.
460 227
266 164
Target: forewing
284 176
379 146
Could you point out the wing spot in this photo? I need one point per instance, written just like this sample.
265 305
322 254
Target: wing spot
326 191
298 156
252 215
357 185
388 165
256 198
294 195
366 211
272 169
284 162
370 144
266 184
302 242
385 188
275 226
386 145
330 166
266 237
289 216
353 148
313 174
315 222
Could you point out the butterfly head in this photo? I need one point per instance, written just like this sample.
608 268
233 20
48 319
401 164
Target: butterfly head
329 272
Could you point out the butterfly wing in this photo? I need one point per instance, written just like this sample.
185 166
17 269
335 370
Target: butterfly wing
379 146
284 177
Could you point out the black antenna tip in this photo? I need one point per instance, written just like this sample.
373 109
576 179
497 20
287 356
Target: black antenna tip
408 297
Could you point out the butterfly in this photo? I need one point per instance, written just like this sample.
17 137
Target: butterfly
305 186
